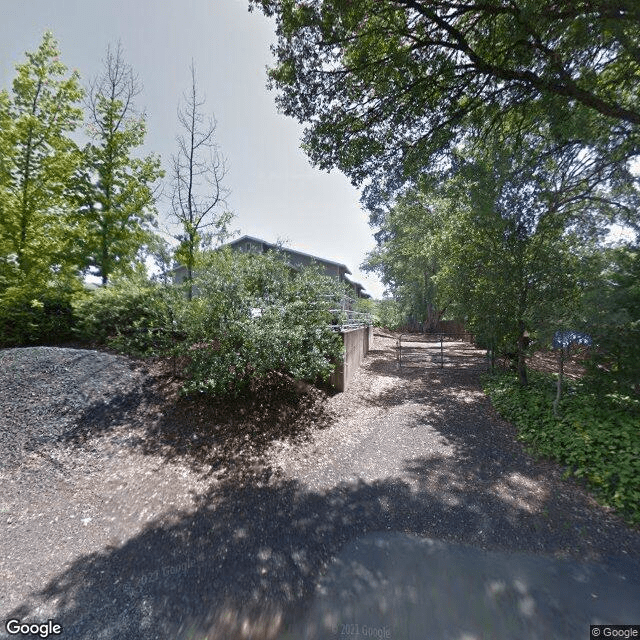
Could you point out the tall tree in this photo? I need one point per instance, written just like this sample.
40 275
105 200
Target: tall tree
508 237
393 89
387 86
405 258
38 160
7 266
117 209
612 314
199 194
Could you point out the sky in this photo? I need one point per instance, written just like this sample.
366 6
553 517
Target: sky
276 194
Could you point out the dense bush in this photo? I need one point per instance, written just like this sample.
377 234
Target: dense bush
613 320
254 314
130 314
41 314
389 314
614 365
596 437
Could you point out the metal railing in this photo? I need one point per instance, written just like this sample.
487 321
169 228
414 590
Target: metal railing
344 315
440 355
347 319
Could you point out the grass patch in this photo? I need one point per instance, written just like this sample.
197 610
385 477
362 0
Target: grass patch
596 436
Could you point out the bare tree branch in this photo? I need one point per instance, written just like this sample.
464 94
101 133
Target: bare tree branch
198 200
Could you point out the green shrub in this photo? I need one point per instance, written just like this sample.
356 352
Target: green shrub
389 314
597 437
614 365
613 317
130 315
254 314
38 315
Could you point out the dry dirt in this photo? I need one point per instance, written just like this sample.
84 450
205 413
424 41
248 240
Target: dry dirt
129 512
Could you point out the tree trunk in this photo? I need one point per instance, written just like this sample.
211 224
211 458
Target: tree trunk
522 364
494 351
25 209
559 384
431 319
522 341
104 259
190 279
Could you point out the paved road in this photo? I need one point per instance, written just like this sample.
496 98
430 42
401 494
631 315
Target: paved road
404 587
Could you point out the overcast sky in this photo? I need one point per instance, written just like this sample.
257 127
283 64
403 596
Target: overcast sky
275 193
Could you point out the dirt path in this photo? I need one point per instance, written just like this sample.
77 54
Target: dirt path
148 527
433 434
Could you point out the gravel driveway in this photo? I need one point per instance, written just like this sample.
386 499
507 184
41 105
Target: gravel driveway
129 512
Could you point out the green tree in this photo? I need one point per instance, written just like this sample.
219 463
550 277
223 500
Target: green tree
612 317
508 240
198 184
117 200
38 160
406 259
7 263
389 313
392 90
387 86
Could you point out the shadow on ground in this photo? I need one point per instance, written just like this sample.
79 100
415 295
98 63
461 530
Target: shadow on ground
245 562
209 434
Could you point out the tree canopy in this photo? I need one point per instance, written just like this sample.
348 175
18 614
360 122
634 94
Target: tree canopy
64 210
117 202
387 86
406 257
494 141
500 240
38 160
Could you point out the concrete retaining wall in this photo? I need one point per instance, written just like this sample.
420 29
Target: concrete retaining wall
356 346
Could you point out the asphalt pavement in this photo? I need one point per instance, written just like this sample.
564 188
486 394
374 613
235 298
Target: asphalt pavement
403 587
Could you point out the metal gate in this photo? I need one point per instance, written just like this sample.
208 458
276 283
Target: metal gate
440 351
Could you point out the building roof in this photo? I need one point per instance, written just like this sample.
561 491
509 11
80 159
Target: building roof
280 248
359 288
247 238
